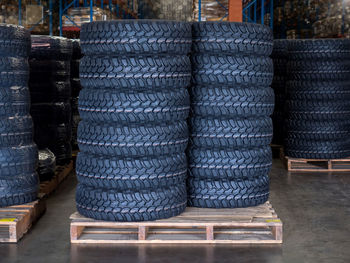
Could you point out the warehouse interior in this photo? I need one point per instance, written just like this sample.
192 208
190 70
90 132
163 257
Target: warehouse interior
174 131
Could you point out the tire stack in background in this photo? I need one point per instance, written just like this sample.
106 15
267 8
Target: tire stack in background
318 105
280 59
133 105
76 87
18 153
230 125
50 94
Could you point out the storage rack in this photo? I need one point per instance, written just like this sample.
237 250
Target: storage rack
125 12
256 10
49 14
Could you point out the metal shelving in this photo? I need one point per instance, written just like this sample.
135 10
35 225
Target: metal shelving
256 11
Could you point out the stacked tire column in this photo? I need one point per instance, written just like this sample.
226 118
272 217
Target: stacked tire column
76 87
280 60
18 153
133 105
230 127
50 94
318 104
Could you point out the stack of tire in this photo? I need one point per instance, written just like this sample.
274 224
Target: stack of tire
76 87
134 105
18 153
318 105
280 59
50 94
230 127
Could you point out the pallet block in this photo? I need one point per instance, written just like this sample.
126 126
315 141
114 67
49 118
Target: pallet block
252 225
317 165
47 187
16 220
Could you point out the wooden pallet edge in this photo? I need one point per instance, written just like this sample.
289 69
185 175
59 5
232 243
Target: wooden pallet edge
19 228
330 163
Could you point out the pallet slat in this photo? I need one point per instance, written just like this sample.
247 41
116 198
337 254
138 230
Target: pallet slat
15 221
253 225
47 187
317 165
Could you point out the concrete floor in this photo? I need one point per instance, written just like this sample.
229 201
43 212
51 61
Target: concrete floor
314 208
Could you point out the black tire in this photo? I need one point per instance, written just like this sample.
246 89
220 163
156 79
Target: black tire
46 165
74 68
47 134
51 47
317 110
310 49
58 112
75 87
13 71
228 194
76 49
228 37
131 174
16 130
319 70
279 84
102 105
111 205
136 37
63 152
55 91
48 66
14 41
230 133
132 140
49 77
229 164
231 70
226 101
320 131
280 48
280 67
14 101
317 149
18 160
135 72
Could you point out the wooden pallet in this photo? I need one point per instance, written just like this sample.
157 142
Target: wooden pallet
47 187
317 165
253 225
16 220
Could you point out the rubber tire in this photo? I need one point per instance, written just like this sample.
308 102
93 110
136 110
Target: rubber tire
126 37
13 71
51 47
131 174
58 112
47 134
246 71
228 102
311 49
14 41
74 68
132 140
100 105
76 49
14 101
16 130
18 160
63 153
135 72
230 133
317 149
280 48
231 38
48 66
130 206
319 131
229 164
43 92
228 194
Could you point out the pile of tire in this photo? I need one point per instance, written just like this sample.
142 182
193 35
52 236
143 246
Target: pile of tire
230 128
318 99
18 153
134 104
50 92
280 59
46 165
76 87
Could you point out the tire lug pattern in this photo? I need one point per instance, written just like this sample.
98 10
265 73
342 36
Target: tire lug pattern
230 128
133 134
18 154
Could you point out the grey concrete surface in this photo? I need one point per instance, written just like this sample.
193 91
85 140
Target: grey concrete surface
315 210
